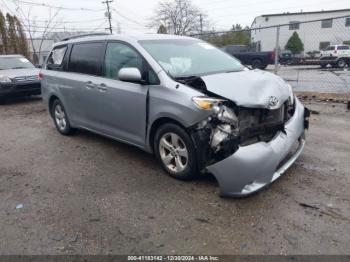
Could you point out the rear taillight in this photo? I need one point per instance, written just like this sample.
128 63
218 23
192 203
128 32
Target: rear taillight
273 55
41 76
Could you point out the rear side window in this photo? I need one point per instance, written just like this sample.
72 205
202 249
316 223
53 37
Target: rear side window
343 47
87 58
56 57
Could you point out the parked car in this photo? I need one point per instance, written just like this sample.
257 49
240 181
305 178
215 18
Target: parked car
195 107
336 56
286 57
258 60
18 77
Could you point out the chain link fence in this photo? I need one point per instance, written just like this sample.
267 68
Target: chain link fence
313 56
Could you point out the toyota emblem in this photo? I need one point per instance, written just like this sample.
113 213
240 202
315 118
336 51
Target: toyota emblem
273 101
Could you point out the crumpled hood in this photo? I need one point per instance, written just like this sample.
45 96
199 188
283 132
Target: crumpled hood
11 73
250 88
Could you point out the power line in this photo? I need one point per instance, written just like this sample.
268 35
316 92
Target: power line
109 16
71 22
64 27
127 18
56 7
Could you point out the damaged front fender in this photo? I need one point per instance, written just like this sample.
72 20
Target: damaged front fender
255 166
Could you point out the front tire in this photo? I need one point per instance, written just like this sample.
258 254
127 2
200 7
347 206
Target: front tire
175 151
60 119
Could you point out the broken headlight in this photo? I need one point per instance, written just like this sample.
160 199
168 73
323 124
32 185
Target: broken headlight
207 103
228 128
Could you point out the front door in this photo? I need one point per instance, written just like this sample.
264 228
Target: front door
121 107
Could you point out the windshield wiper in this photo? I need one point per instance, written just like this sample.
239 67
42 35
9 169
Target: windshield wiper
233 71
186 79
18 67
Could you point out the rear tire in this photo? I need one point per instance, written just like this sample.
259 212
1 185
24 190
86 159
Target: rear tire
175 152
341 63
60 119
258 64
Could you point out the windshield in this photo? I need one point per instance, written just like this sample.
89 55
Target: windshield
190 57
15 63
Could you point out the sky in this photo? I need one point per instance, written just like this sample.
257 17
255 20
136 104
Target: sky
134 15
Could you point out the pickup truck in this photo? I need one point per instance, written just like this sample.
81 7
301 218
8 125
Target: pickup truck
258 60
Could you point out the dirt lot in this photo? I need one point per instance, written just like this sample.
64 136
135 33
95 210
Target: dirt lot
315 79
88 195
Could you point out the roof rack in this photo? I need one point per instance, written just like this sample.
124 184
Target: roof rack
84 35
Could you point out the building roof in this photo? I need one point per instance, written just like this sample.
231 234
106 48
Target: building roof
308 13
46 45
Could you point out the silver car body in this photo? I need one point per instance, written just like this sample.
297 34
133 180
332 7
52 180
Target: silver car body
129 112
24 81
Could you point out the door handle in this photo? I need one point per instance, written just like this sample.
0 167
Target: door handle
89 85
102 87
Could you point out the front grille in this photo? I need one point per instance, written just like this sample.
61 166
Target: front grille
20 79
263 124
28 86
328 58
257 118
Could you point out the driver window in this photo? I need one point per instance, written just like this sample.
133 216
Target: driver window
119 56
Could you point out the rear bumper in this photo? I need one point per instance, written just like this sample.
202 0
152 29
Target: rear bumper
13 89
256 166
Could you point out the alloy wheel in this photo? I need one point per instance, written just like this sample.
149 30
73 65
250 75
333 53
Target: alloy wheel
60 117
173 152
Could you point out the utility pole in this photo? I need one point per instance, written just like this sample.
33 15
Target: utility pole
109 16
201 22
277 48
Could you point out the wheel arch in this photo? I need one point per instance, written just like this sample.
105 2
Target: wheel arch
51 101
158 123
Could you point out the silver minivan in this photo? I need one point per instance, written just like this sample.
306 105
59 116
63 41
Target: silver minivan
195 107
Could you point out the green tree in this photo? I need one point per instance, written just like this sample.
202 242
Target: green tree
294 44
237 36
3 35
12 35
162 30
21 38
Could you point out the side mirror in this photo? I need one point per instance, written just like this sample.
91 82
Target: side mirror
130 74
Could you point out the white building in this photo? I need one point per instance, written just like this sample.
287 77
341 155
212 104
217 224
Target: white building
42 49
333 27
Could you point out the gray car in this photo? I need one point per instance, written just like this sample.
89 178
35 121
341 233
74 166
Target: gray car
18 77
192 105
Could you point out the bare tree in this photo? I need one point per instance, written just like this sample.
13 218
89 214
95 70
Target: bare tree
180 17
36 31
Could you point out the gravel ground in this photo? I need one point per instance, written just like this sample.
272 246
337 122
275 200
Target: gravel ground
88 195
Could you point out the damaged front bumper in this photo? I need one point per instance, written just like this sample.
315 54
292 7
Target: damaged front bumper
253 167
